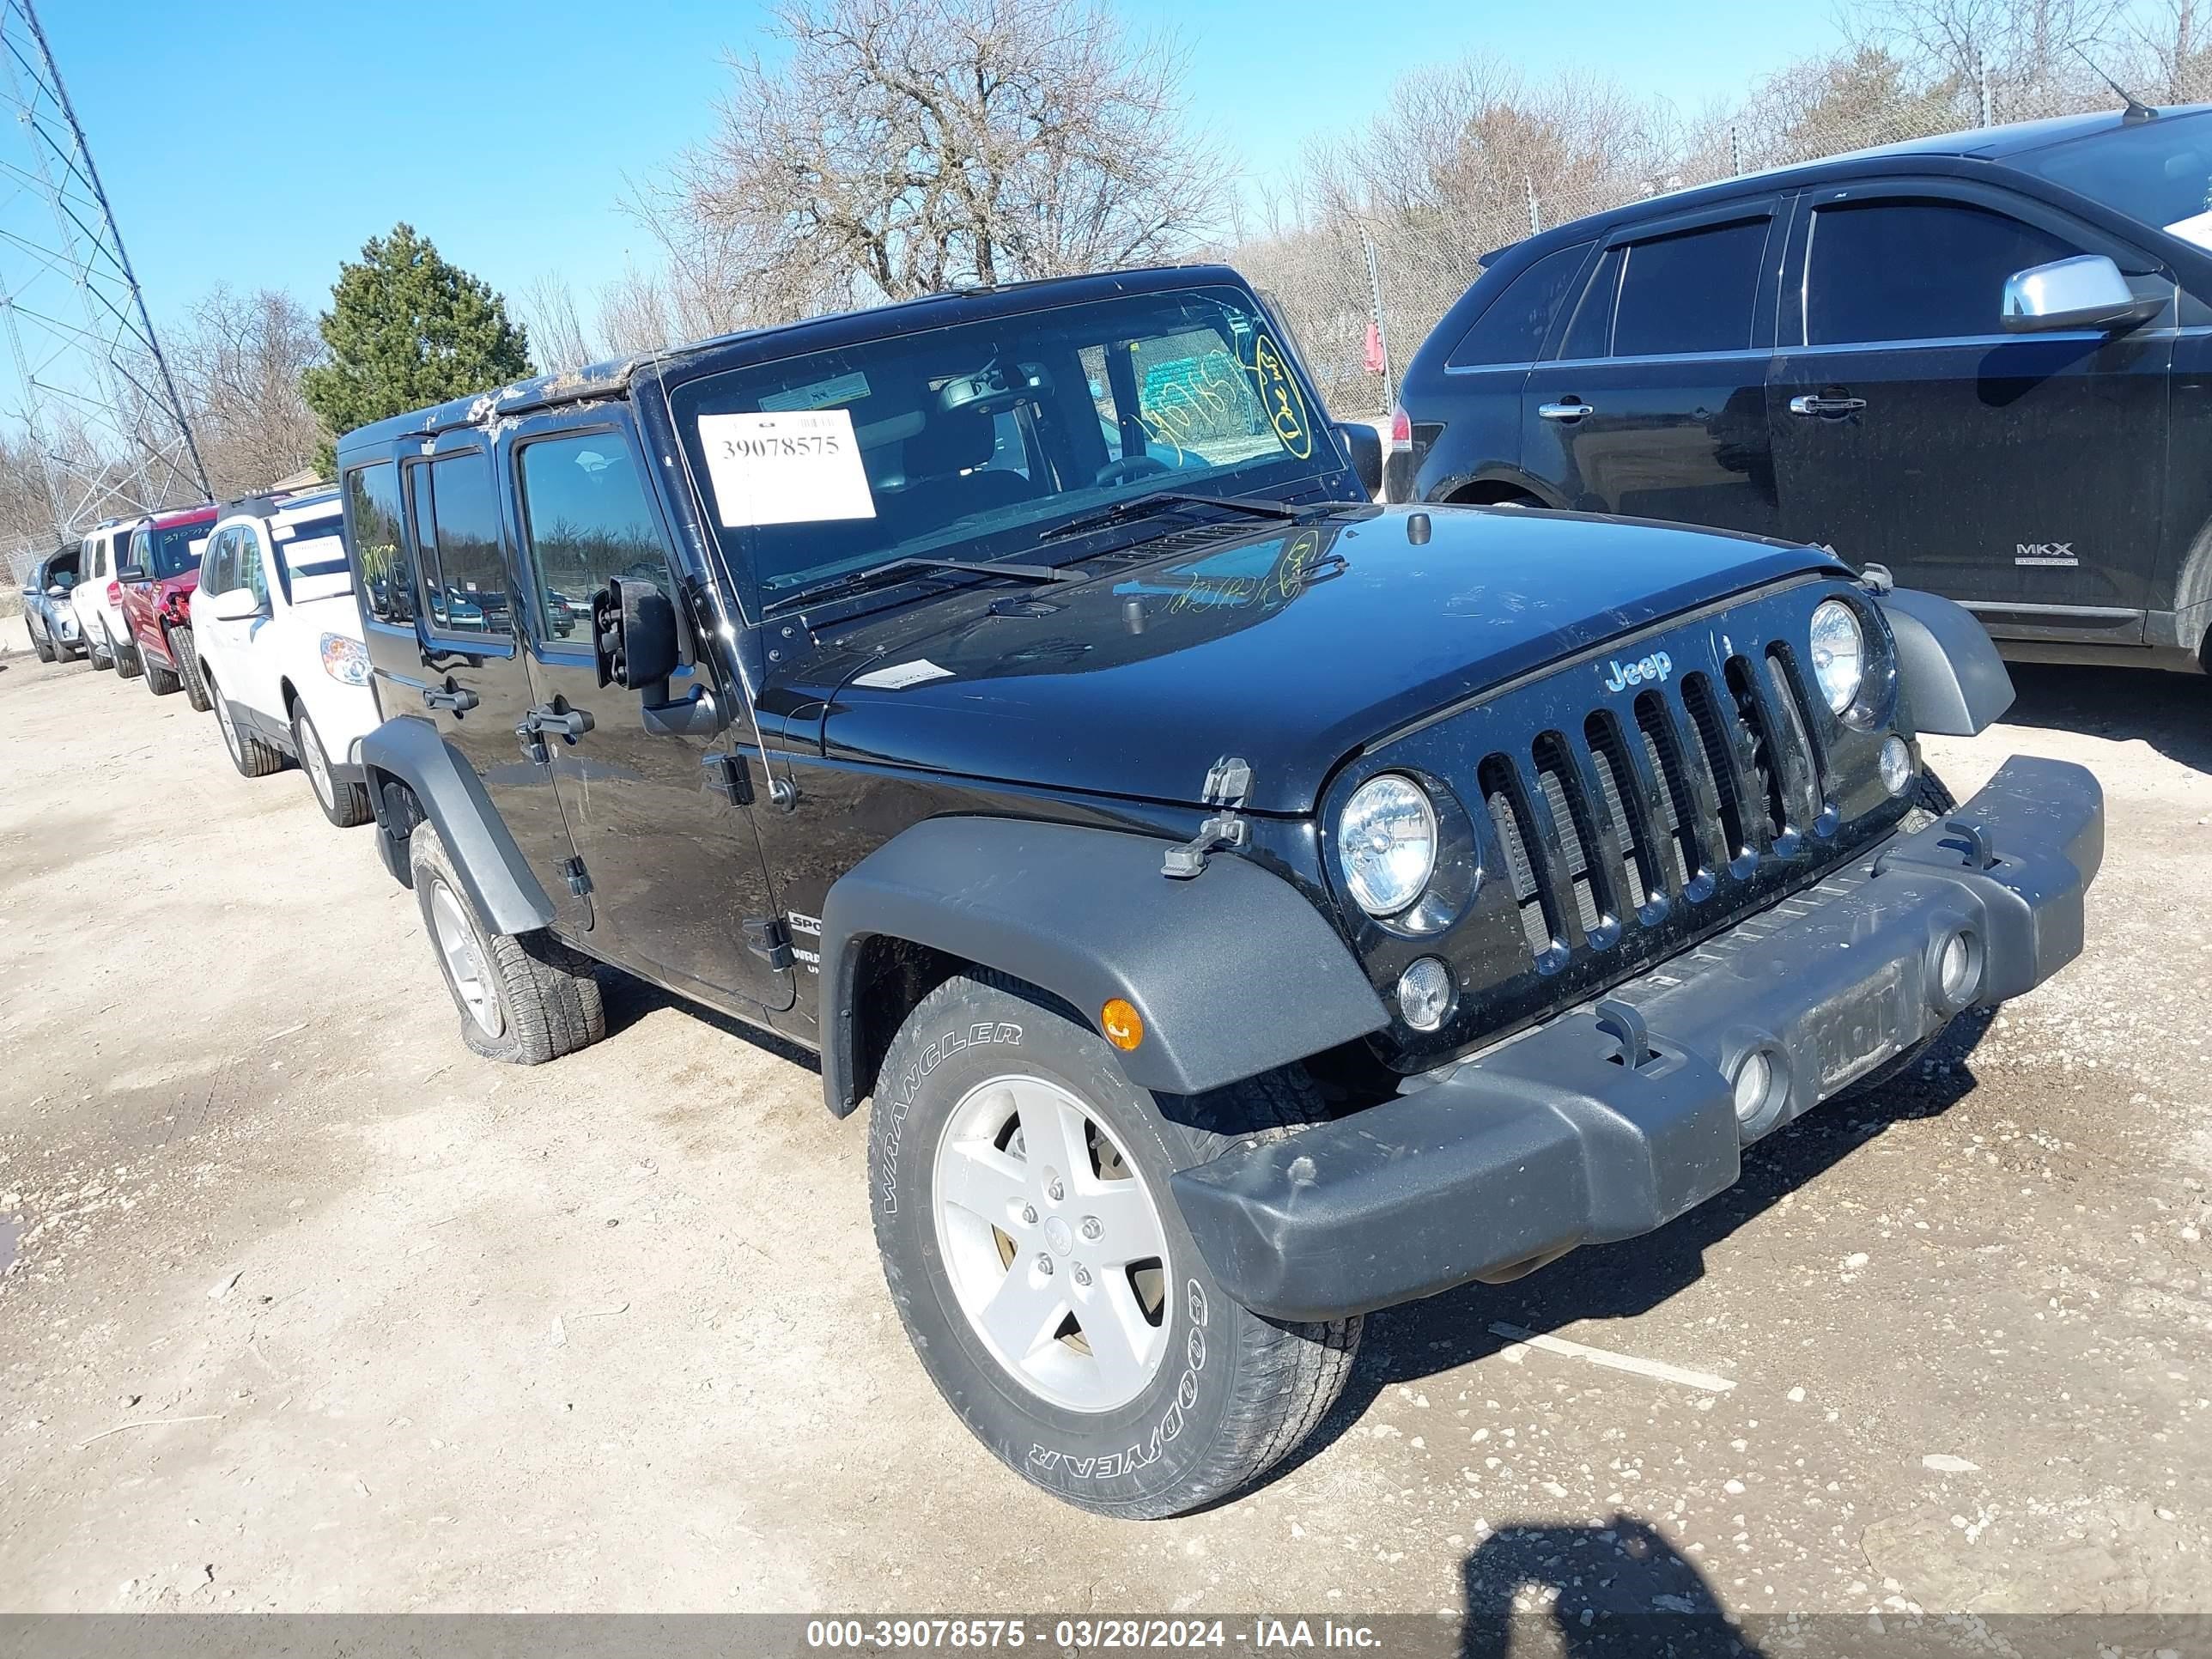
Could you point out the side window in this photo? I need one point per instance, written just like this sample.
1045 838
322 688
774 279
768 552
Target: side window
1914 270
1513 327
1590 334
586 518
252 574
372 519
457 526
1691 293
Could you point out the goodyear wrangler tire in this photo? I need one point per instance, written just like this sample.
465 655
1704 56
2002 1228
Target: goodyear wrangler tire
1044 1275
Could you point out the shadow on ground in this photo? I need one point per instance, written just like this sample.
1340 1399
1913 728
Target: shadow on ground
2172 712
630 1000
1616 1590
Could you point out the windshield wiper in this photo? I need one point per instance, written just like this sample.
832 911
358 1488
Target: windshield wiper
1161 500
853 580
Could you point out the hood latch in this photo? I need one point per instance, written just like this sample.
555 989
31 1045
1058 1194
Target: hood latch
1228 782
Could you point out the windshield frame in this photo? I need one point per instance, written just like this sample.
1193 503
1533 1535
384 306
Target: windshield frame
1324 472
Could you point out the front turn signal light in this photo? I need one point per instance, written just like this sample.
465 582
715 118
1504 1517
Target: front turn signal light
1123 1025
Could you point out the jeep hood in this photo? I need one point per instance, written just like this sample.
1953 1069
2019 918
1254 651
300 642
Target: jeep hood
1291 648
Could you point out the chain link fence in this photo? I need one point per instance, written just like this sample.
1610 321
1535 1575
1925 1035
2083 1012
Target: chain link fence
1361 291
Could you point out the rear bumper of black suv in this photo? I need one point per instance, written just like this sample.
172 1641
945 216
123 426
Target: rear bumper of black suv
1563 1137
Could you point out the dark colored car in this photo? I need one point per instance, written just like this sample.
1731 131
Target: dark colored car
162 567
1984 362
47 613
1246 906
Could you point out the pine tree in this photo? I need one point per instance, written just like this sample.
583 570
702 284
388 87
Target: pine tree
407 329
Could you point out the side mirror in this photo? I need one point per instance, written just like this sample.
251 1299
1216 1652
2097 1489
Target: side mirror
234 604
1365 445
634 634
58 592
2087 291
131 573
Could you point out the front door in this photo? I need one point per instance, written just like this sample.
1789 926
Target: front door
2021 474
1654 404
659 821
475 685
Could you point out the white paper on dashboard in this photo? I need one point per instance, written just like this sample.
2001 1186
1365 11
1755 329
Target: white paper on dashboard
795 466
905 674
2197 227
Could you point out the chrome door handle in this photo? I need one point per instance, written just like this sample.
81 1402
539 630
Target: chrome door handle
1573 412
1807 404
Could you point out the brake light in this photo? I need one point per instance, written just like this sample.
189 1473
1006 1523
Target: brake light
1402 429
115 593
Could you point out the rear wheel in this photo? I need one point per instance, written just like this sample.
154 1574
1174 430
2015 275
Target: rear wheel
345 804
253 758
100 649
523 998
125 653
182 646
161 682
1043 1272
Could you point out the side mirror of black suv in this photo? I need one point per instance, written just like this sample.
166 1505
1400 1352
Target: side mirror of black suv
634 635
2087 291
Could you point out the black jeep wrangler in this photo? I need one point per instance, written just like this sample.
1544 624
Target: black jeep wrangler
1246 906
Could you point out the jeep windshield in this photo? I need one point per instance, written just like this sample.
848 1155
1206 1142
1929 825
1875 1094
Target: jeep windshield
977 441
2158 171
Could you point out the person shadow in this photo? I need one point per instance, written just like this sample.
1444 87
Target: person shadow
1617 1591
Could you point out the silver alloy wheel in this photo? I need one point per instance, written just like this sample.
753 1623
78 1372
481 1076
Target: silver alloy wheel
457 943
319 767
1052 1243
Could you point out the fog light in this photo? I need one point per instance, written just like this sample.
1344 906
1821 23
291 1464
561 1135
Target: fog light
1958 971
1896 765
1754 1081
1425 994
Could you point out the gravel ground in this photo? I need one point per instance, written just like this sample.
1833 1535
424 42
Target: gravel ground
309 1310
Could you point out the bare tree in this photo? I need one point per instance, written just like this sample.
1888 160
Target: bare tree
238 359
904 146
557 338
2035 43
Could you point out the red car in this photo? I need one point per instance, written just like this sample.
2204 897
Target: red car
158 576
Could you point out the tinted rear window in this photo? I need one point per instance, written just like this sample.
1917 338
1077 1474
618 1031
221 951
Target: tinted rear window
1512 329
1691 293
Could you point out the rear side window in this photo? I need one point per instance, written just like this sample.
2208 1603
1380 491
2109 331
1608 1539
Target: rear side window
1691 293
588 518
1914 270
456 530
1513 327
379 551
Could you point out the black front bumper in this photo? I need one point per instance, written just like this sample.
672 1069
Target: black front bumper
1556 1140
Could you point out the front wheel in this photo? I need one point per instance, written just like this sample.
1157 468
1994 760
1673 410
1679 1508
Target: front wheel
1043 1272
1932 799
43 645
188 668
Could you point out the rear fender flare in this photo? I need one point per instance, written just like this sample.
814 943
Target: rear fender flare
1234 971
498 879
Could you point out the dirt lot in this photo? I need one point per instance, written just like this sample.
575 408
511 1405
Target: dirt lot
430 1333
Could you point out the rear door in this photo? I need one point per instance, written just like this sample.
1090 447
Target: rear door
1654 404
1486 371
475 685
658 819
2022 474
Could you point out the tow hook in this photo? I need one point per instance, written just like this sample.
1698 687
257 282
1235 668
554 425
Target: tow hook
1228 782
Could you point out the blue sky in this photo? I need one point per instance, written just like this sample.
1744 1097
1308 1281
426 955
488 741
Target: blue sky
259 144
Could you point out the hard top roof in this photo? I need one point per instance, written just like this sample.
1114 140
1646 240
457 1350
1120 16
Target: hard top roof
613 377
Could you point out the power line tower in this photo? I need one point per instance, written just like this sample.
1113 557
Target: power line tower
98 406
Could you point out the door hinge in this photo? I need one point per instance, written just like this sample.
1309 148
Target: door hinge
729 776
1228 782
580 880
767 938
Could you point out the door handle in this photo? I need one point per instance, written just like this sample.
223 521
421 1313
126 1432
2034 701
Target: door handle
458 698
547 720
1806 404
1567 411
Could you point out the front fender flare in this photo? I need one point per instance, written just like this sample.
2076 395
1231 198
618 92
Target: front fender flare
1955 681
1234 971
498 879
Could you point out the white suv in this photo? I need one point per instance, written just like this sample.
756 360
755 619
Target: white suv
278 638
97 598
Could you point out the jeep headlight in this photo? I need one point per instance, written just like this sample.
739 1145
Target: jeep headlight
345 660
1838 650
1386 843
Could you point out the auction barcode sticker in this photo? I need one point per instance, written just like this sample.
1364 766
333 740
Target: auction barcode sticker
801 466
